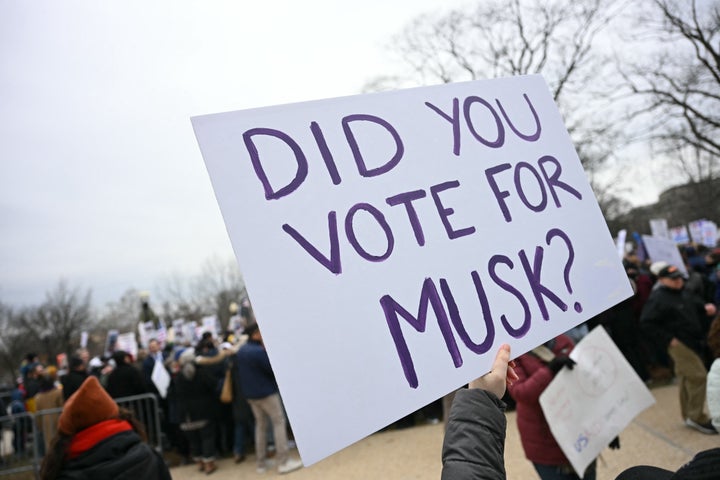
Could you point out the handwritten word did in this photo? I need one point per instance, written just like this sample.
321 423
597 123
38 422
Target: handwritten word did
301 162
448 314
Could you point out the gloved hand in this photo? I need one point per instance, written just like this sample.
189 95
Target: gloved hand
557 363
615 444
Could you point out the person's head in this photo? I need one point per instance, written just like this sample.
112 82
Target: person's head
671 277
76 364
47 383
704 466
253 332
83 354
121 357
34 370
87 407
153 346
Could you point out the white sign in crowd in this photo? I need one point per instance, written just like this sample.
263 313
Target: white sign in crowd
588 406
391 242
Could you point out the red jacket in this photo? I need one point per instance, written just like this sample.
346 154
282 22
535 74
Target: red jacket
535 435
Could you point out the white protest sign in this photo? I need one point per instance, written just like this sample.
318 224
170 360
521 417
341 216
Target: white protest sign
664 249
161 378
680 234
83 339
127 342
391 242
209 324
704 232
588 406
659 228
620 243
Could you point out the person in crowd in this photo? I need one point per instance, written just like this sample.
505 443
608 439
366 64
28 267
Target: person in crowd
676 321
474 443
75 377
244 422
257 382
713 376
21 424
535 370
32 385
197 403
100 368
125 380
97 439
48 398
154 355
623 327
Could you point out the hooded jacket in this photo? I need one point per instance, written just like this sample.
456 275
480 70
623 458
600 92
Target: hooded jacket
121 456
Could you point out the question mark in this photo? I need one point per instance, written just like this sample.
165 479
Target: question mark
556 232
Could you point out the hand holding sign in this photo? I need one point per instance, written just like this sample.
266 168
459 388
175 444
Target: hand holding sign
410 234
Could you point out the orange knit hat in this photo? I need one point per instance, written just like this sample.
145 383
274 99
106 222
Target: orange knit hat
89 405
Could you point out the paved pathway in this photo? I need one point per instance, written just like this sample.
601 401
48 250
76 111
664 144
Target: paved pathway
657 437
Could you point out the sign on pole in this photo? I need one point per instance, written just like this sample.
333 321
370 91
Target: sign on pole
588 406
391 242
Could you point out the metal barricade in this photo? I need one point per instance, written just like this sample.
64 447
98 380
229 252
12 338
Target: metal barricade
32 432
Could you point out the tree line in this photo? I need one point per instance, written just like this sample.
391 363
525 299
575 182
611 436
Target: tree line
55 325
628 77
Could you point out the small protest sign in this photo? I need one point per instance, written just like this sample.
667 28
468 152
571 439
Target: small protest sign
659 228
111 342
391 242
680 235
588 406
704 232
664 250
161 378
620 243
127 342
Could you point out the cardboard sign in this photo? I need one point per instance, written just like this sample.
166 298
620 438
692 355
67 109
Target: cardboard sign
664 249
659 228
391 242
588 406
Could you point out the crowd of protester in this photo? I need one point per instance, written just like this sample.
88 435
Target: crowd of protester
222 398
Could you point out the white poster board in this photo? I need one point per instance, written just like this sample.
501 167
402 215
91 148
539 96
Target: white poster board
127 342
209 324
680 235
391 242
588 406
659 228
704 232
664 249
620 243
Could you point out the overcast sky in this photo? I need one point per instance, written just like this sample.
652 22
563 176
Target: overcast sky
101 179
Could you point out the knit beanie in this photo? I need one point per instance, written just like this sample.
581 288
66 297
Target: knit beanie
89 405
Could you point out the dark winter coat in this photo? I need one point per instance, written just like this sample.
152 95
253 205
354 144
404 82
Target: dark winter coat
475 437
123 456
534 377
125 381
672 313
71 382
197 397
257 379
